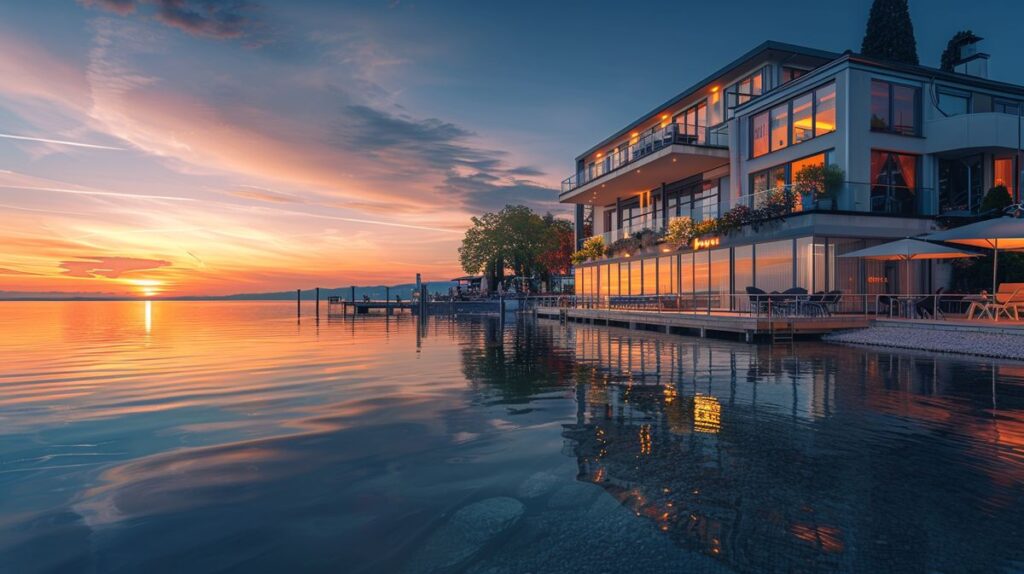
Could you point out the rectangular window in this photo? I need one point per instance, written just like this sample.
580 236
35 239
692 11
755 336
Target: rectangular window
613 279
805 263
743 268
686 274
774 265
650 277
667 275
780 127
954 104
894 108
718 288
803 118
635 278
1007 107
893 182
1002 174
700 278
790 74
760 134
825 110
624 278
880 105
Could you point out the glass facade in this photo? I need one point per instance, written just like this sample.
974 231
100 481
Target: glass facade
1002 174
716 279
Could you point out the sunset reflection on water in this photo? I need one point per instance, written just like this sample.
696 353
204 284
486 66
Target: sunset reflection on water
216 436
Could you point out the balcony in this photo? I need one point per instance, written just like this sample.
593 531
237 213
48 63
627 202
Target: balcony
850 197
669 154
991 130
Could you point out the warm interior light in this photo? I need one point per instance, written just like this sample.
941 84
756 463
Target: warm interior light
714 89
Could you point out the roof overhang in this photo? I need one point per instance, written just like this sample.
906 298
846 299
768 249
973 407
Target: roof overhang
669 164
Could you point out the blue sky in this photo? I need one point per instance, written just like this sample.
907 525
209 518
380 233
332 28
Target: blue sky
256 144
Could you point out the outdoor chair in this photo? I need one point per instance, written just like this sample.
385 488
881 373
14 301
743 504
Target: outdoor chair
929 306
813 304
1009 300
885 304
793 299
758 300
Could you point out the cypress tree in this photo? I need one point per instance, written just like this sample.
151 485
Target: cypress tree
890 33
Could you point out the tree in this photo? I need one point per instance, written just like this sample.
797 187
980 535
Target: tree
952 52
890 33
515 238
557 259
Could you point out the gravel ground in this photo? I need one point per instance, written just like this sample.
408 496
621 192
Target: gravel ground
943 341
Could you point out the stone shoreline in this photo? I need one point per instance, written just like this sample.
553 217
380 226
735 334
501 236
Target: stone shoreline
995 345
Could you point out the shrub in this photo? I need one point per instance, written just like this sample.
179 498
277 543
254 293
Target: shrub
593 248
997 199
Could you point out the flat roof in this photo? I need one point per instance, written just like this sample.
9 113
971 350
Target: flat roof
762 48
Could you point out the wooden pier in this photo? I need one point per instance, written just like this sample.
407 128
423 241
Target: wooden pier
339 306
749 327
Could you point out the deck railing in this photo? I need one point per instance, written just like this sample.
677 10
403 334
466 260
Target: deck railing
774 305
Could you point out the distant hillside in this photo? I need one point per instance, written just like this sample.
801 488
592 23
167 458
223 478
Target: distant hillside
373 292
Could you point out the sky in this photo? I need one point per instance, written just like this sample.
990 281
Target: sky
209 147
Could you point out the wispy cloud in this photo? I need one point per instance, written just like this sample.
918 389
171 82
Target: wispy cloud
222 19
60 142
98 193
109 267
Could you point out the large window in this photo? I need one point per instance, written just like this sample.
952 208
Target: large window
693 122
667 275
718 288
1002 174
774 271
894 108
954 103
760 134
635 278
825 110
803 118
780 176
961 182
779 118
746 89
893 182
650 277
613 279
798 120
743 268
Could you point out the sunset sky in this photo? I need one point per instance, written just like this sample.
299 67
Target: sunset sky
182 147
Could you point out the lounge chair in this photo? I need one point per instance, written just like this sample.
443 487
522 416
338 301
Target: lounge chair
1009 300
929 306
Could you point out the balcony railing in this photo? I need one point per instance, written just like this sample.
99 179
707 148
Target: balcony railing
699 211
863 197
684 134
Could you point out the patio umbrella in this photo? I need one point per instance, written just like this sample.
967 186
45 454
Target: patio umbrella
995 234
909 249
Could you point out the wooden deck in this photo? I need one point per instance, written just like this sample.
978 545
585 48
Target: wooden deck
749 327
364 307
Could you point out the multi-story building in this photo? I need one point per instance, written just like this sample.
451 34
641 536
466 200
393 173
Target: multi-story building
914 145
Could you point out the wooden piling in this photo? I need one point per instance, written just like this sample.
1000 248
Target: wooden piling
317 303
298 302
387 300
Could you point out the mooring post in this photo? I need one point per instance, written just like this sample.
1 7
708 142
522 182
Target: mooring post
387 300
317 303
298 302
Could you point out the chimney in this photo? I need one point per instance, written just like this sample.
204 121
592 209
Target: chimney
972 60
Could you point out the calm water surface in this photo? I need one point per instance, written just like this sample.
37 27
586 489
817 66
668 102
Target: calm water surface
227 437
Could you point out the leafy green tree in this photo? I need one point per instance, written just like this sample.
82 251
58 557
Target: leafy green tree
515 238
890 33
952 52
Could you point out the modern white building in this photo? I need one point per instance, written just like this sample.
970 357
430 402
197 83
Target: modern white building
915 144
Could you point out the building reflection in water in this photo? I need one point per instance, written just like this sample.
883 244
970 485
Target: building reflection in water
811 458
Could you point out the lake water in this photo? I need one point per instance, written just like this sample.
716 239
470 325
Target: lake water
228 437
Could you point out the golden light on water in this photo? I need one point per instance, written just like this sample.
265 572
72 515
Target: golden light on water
149 315
707 414
147 287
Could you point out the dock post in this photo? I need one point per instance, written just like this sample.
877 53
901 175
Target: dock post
387 300
298 302
352 291
317 303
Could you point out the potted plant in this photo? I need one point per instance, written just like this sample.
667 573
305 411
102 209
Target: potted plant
818 185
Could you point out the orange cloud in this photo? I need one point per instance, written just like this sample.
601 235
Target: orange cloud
110 267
